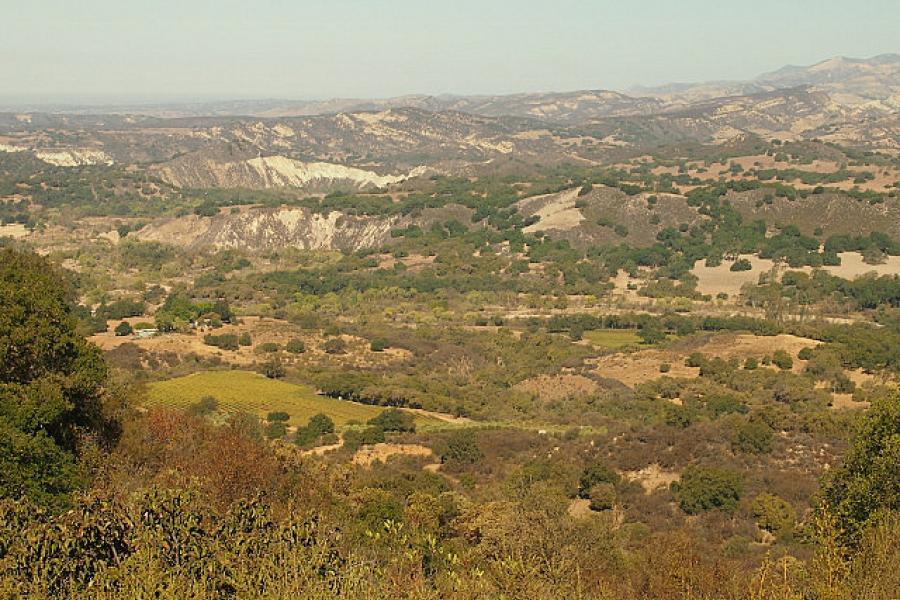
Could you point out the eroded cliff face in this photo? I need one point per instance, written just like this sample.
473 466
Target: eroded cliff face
272 172
265 229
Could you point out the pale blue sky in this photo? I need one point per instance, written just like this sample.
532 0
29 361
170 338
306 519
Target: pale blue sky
202 49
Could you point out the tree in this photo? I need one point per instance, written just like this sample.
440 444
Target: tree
205 406
50 383
462 449
602 496
274 368
652 333
753 437
866 487
295 346
782 360
335 346
394 420
379 345
594 474
707 488
774 514
124 328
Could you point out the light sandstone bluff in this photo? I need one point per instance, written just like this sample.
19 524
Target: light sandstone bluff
272 172
263 229
64 157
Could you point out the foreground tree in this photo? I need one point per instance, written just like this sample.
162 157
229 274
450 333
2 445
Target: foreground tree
866 487
50 383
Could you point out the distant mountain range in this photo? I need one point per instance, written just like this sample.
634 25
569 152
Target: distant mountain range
852 82
272 142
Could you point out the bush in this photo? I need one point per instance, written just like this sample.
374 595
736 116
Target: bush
245 339
335 346
805 353
742 264
124 328
394 420
665 368
594 474
379 345
753 437
462 449
602 496
354 438
295 346
268 347
273 368
318 426
751 364
276 430
708 488
774 514
226 341
782 360
277 416
205 406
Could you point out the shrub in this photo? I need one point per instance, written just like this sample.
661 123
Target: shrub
124 328
805 353
205 406
602 496
665 368
226 341
594 474
708 488
354 438
782 360
335 346
462 449
742 264
268 347
751 364
774 514
379 345
276 430
277 416
394 420
295 346
273 368
753 437
245 339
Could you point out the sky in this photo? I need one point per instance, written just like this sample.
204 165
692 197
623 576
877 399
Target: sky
149 50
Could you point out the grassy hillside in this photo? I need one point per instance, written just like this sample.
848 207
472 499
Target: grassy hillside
253 393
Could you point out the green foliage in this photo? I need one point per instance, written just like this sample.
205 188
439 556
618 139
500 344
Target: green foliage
394 420
742 264
295 346
379 345
602 496
594 474
318 426
335 346
462 449
866 487
774 514
708 488
207 405
245 339
782 360
124 328
50 383
752 436
226 341
278 415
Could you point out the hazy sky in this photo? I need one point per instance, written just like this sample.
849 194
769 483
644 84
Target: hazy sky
167 49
